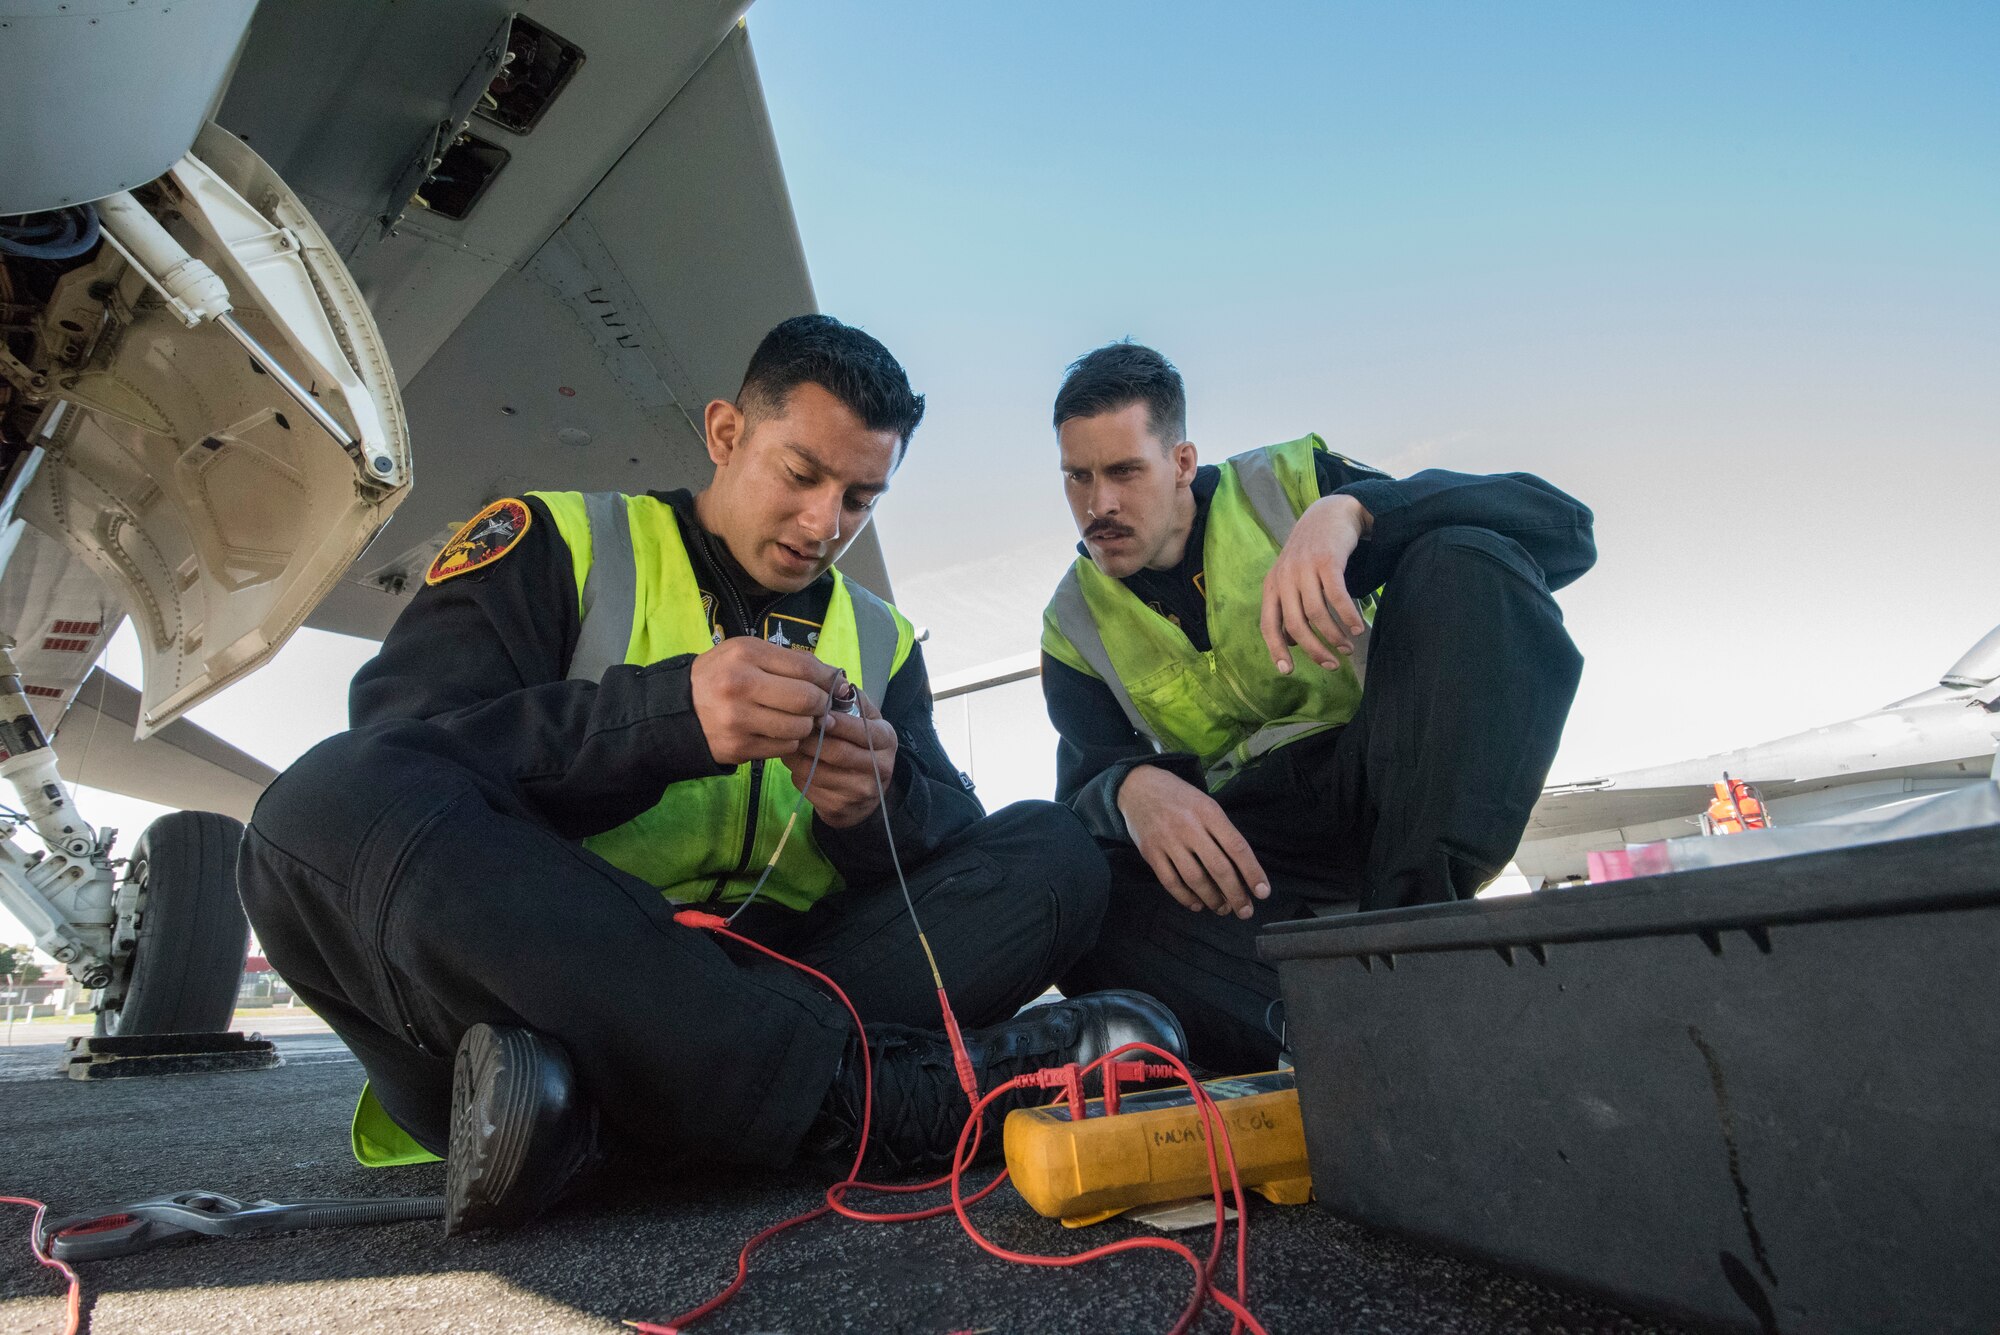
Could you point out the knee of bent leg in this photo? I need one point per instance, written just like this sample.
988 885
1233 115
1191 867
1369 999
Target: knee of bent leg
1458 569
1455 547
326 798
1052 849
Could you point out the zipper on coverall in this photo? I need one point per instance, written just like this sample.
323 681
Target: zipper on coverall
757 768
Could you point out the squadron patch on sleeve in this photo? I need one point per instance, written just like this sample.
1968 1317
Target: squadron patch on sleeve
486 537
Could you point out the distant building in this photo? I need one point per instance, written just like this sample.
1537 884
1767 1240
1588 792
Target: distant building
261 984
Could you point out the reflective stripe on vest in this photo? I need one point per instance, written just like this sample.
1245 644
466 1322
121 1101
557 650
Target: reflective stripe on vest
1079 627
875 629
610 595
1227 705
610 591
1267 496
639 602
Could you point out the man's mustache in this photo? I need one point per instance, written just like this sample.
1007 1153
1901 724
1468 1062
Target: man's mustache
1104 528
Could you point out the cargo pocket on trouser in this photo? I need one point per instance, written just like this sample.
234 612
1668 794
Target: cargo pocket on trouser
416 1022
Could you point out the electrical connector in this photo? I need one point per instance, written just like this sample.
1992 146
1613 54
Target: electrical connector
961 1060
1048 1077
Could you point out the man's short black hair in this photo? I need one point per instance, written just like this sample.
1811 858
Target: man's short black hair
1118 375
852 366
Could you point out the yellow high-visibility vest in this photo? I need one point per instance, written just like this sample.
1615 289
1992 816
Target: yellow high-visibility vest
1227 704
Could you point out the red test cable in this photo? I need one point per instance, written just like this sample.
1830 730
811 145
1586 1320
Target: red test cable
1066 1077
74 1308
1214 1131
711 923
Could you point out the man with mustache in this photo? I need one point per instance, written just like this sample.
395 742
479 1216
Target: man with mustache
1204 662
586 720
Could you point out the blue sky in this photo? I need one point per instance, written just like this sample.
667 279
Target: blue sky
1730 274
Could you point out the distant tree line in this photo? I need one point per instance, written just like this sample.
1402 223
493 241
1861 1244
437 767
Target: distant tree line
19 961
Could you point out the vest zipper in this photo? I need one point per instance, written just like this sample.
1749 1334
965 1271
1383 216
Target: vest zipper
749 831
742 612
1215 670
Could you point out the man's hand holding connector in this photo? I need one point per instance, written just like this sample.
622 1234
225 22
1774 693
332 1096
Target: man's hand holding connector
843 791
757 701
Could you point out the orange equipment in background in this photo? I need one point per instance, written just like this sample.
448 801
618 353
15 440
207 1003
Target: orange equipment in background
1736 808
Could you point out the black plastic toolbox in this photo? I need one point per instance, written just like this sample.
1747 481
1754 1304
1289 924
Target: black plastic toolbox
1764 1096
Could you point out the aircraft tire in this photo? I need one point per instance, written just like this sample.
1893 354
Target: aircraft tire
192 933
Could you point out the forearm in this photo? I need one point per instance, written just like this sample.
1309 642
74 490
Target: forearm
485 656
589 756
1554 528
1095 801
1097 747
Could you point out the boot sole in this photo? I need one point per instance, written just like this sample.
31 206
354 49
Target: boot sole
508 1160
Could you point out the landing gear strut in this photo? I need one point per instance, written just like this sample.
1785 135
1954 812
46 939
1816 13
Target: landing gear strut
162 947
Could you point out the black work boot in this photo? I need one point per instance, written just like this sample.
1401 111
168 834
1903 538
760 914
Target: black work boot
521 1129
919 1107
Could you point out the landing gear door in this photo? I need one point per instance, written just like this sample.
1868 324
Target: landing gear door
219 476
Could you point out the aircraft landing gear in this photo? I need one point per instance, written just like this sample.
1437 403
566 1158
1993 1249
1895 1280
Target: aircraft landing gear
183 970
162 946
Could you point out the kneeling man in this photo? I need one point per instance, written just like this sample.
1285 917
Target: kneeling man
1288 684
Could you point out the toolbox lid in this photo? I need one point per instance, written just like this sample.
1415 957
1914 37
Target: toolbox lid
1953 870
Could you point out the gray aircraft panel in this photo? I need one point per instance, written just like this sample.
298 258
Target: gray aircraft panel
572 426
697 218
608 343
103 97
384 73
182 765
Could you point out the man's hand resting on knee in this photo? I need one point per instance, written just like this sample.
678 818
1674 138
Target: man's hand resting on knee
1189 843
843 792
1305 595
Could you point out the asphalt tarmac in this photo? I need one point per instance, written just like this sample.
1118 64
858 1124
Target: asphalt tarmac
634 1247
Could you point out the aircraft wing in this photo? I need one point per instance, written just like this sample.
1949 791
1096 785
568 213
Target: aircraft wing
1577 808
180 765
613 275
